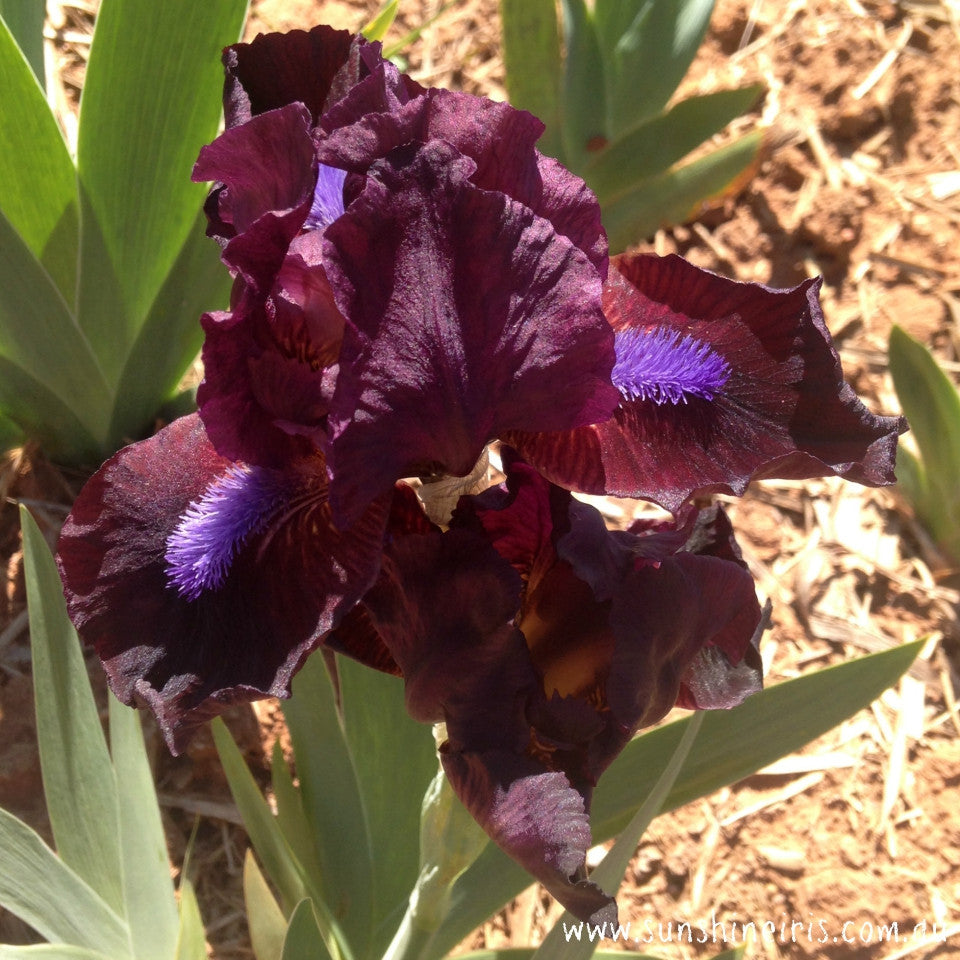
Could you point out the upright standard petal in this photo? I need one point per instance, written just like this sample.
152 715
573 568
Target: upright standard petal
201 582
499 139
295 67
467 316
721 382
270 365
266 172
266 165
270 362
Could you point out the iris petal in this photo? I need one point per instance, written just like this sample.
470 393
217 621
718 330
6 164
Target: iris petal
457 336
287 585
498 138
627 622
269 367
265 166
280 68
663 617
538 818
779 406
444 608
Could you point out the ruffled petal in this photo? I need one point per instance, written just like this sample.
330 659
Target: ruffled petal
498 138
381 89
750 386
458 336
295 67
638 621
265 166
270 368
200 584
535 816
444 606
662 617
718 679
358 635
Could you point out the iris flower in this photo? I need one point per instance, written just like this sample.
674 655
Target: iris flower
390 315
412 281
544 642
404 258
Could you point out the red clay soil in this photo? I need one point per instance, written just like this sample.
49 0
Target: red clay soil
860 182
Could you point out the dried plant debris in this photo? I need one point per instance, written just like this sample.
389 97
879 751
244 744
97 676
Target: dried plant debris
860 183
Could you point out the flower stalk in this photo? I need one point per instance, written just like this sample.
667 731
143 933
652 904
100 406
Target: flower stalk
450 842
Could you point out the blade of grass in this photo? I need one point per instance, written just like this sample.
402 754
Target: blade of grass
264 916
274 851
24 19
583 99
656 145
382 21
332 801
78 777
930 402
647 54
395 760
39 195
531 56
280 861
39 337
46 418
39 888
11 435
147 886
293 822
677 195
395 49
191 944
932 406
170 337
303 940
48 951
146 109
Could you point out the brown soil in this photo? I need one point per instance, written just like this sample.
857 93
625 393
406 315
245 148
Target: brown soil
860 182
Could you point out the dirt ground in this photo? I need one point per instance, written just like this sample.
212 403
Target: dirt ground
860 182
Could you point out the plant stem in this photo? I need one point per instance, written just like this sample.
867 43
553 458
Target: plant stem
411 937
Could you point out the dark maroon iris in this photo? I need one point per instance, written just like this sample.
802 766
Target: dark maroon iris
544 641
414 280
404 257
